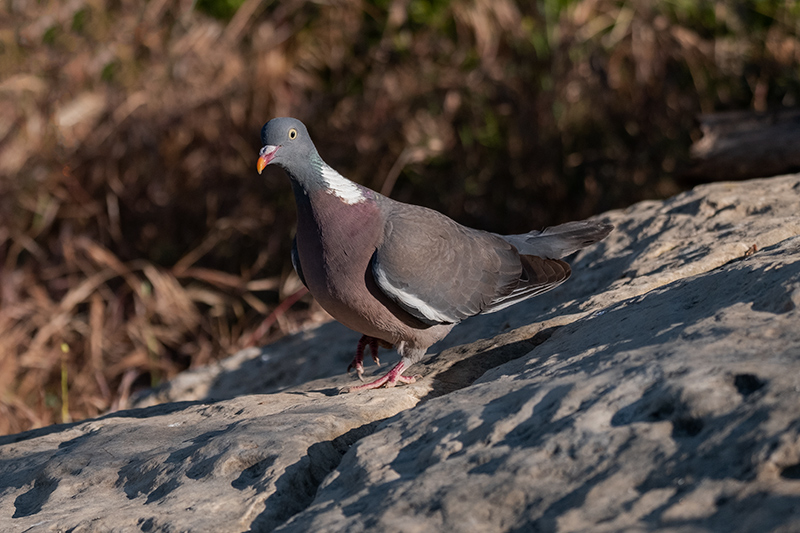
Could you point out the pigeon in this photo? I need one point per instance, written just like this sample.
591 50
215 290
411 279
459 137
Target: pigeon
403 275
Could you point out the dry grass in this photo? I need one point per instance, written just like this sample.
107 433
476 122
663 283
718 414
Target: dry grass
136 239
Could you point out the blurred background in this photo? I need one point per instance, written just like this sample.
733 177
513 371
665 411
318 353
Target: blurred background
137 240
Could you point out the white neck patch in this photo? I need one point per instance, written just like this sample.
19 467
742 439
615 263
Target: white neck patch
341 187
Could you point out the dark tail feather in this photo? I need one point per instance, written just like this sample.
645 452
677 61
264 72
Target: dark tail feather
538 276
560 241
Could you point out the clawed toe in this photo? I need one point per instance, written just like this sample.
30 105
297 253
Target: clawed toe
392 378
357 363
389 380
373 348
358 367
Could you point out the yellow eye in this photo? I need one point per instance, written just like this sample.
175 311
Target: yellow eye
292 133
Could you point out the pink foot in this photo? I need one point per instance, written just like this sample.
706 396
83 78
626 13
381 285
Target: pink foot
357 363
389 380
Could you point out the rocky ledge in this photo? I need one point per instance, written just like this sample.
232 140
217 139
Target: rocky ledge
659 389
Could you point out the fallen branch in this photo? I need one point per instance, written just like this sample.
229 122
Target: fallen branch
745 144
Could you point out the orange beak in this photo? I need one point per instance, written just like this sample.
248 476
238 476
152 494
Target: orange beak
265 157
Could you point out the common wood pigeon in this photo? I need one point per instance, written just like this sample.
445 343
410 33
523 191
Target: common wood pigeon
403 275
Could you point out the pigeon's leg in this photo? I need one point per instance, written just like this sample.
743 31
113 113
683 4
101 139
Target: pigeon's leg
357 363
373 349
395 375
390 379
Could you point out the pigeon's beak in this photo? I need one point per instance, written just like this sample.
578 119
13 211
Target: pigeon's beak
265 156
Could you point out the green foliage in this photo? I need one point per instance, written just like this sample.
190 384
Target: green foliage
698 15
109 71
221 9
79 20
536 36
50 35
431 13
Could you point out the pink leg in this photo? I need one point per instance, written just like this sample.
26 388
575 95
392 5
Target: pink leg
373 349
357 363
394 376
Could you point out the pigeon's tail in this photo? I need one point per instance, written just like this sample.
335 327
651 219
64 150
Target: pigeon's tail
560 241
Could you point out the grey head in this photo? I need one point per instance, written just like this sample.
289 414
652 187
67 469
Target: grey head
288 145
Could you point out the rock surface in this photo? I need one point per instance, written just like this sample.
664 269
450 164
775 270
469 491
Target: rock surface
657 389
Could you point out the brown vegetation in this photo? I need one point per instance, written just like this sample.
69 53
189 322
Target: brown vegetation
136 239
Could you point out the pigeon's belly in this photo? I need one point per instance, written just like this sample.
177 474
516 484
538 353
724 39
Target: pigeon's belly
335 254
348 298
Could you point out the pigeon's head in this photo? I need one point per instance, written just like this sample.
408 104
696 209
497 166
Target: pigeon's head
286 144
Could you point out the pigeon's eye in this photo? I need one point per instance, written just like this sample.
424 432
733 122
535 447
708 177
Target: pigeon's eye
292 133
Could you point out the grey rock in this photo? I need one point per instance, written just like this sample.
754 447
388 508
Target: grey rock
657 390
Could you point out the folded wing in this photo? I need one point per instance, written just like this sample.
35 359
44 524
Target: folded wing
441 272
